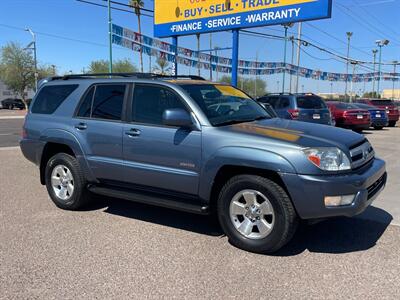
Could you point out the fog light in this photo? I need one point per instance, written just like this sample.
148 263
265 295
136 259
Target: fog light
335 201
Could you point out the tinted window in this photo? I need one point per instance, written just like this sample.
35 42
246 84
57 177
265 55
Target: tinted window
345 106
382 102
51 97
284 103
85 110
150 102
310 102
108 102
273 101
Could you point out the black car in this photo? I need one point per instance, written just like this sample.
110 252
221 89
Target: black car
13 103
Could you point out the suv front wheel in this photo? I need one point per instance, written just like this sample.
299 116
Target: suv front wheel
65 182
256 214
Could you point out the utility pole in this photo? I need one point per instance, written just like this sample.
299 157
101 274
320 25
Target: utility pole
380 44
287 26
394 77
298 56
110 67
292 62
216 63
211 70
255 81
349 35
33 44
374 52
198 53
354 64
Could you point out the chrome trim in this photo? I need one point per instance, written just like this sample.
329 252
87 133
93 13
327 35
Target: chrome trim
365 150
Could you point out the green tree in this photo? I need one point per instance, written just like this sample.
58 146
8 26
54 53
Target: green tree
371 95
253 87
119 66
163 67
17 70
137 5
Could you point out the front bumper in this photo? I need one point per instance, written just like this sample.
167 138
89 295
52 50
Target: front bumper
308 191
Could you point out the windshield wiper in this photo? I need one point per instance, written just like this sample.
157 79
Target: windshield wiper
237 121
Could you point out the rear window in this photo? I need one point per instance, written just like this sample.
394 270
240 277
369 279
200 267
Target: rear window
310 102
51 97
345 106
382 102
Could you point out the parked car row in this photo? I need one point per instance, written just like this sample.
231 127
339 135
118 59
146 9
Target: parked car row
358 116
14 103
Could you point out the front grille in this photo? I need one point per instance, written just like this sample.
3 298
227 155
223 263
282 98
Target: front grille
361 153
376 186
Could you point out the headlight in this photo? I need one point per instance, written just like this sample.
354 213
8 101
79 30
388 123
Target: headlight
328 159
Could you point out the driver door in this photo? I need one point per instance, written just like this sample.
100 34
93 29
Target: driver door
163 157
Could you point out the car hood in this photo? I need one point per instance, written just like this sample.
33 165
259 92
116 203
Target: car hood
298 133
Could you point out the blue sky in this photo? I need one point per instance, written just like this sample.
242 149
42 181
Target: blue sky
70 34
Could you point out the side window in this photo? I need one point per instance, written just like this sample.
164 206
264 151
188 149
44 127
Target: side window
85 110
51 97
108 101
284 103
150 102
273 101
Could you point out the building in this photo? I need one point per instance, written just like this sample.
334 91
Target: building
5 92
388 94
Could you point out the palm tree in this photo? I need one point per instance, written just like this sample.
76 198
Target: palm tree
137 5
162 67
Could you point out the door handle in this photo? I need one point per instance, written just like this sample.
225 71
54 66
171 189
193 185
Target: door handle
81 126
133 132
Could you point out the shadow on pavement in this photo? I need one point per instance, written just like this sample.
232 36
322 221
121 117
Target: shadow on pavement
338 235
158 215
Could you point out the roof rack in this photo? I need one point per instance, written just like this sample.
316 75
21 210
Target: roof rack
124 75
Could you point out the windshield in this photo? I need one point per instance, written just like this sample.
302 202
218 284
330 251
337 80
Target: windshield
224 104
345 106
365 106
310 102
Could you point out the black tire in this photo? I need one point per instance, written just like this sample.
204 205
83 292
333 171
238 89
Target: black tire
285 223
378 127
80 196
392 123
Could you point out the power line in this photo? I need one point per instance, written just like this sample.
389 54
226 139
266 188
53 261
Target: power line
113 7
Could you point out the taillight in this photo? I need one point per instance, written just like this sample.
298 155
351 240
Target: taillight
24 134
294 113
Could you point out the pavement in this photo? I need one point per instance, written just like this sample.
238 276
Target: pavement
119 249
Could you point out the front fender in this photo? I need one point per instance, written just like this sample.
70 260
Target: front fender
64 137
241 157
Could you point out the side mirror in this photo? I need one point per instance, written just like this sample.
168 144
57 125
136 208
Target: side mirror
177 117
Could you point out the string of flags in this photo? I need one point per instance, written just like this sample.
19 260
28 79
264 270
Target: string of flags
153 47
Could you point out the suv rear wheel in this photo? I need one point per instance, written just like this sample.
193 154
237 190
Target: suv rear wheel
256 214
392 123
65 182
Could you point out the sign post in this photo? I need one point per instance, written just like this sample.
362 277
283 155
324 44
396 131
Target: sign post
235 57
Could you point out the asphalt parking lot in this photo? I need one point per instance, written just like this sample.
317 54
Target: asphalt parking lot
119 249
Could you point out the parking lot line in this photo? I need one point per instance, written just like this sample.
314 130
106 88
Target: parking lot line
9 148
11 117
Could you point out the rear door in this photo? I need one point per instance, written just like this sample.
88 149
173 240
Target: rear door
313 109
158 156
98 126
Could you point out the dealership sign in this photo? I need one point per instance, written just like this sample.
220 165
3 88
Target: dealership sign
184 17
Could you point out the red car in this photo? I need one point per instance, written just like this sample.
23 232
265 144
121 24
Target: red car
391 108
347 115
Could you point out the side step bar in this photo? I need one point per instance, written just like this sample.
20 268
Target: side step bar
149 199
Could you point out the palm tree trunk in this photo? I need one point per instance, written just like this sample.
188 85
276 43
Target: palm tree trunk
141 46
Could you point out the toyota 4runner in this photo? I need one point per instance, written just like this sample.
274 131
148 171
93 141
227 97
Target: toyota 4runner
198 146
